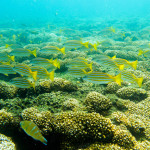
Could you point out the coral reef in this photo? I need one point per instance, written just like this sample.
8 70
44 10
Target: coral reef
112 87
96 102
6 118
41 119
45 86
70 104
132 93
7 91
6 143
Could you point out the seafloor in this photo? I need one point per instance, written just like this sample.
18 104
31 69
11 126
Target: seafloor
71 113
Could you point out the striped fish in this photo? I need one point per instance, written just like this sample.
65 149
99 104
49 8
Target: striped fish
75 44
102 78
45 62
125 62
32 130
52 50
6 69
77 72
79 64
5 57
129 77
145 53
91 47
108 62
22 52
13 46
43 73
22 83
25 70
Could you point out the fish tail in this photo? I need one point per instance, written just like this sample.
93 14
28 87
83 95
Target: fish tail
56 63
113 57
7 45
121 67
12 58
134 64
118 78
86 44
33 52
44 141
51 75
139 81
95 46
34 75
63 50
140 52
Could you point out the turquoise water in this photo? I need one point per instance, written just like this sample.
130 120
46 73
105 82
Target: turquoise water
37 11
78 69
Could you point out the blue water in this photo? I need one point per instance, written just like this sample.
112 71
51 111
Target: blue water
37 11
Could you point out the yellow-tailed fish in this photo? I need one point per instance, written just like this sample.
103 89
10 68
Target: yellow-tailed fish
22 52
91 47
125 62
72 44
52 50
105 61
127 76
13 46
5 57
45 62
25 70
77 72
6 69
112 29
79 64
42 73
32 130
5 63
145 53
122 34
102 78
21 82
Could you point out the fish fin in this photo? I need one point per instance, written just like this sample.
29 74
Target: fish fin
84 71
33 52
12 58
86 44
63 50
139 81
51 75
121 67
140 52
118 78
34 75
113 57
